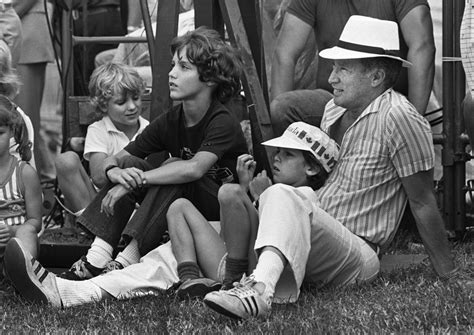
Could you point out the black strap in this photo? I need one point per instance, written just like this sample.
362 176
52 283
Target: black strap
368 49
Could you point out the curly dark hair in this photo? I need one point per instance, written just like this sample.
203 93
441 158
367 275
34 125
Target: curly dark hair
215 60
110 79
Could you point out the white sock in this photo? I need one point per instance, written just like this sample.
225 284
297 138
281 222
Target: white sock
268 270
75 293
130 255
100 253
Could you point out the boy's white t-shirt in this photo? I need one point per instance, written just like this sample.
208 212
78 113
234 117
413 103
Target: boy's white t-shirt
31 136
103 136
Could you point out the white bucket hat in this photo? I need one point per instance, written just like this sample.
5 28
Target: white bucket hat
302 136
367 37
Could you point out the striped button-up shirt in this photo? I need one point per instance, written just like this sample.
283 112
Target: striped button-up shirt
388 141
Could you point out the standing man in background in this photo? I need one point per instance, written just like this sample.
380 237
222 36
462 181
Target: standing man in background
327 18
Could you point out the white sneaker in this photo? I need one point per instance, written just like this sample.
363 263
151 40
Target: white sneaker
34 282
242 301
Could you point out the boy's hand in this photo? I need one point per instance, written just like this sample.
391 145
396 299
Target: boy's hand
259 184
5 232
245 169
109 201
130 178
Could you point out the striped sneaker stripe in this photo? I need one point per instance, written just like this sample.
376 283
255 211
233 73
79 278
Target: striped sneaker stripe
250 305
43 276
39 270
36 267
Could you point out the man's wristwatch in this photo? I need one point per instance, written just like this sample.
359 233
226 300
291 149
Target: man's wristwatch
107 168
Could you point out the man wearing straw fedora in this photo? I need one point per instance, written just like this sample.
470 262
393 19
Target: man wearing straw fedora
386 160
327 19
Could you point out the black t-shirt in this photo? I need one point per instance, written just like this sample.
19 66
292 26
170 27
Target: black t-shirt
218 132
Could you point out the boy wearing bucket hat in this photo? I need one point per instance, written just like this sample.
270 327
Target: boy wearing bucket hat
385 160
326 18
303 159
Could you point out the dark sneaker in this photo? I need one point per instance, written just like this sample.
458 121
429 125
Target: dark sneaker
81 270
34 282
112 265
197 288
241 302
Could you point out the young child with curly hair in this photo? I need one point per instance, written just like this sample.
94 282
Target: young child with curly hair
116 92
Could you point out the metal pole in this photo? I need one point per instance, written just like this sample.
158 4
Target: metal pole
459 147
453 155
67 72
448 114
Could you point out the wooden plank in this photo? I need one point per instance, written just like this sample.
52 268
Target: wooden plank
258 111
148 30
166 30
253 26
207 13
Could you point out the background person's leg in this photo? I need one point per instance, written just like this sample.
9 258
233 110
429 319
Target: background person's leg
300 105
31 95
74 182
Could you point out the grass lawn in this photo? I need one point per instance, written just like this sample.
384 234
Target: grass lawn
404 300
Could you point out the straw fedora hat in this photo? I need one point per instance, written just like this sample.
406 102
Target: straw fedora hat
367 37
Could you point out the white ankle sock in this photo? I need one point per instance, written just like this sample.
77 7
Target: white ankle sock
75 293
99 253
130 255
268 270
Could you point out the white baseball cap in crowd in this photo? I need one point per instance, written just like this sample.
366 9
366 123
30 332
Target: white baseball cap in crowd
367 37
303 136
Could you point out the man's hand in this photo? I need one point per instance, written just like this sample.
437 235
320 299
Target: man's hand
245 169
5 233
113 195
259 184
130 178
